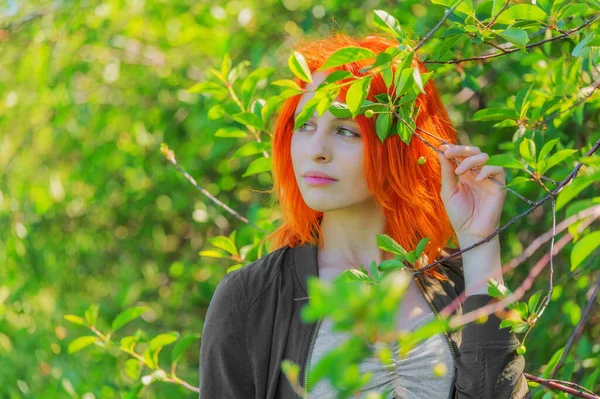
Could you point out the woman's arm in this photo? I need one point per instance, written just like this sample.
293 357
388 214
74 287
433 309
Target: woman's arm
225 370
488 365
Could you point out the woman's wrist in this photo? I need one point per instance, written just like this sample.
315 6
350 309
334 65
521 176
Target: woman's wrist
480 263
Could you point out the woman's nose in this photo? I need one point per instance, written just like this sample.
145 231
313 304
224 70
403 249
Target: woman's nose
318 146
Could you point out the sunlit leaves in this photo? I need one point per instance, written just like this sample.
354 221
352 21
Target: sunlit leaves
249 119
583 248
356 95
127 316
299 67
383 125
526 12
347 55
388 23
388 244
504 160
516 36
259 165
82 342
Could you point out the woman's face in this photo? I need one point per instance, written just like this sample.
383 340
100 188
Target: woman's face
334 147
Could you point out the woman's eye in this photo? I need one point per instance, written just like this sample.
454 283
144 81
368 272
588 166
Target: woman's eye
305 126
350 132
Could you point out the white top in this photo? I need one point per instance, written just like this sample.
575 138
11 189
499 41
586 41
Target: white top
410 377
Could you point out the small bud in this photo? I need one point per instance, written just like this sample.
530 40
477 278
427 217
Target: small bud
369 113
521 350
421 160
439 369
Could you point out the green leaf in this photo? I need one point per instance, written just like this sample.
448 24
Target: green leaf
418 80
133 368
388 244
533 301
466 7
557 158
249 83
307 111
405 81
224 243
347 55
251 148
356 95
91 314
213 254
74 319
496 289
299 67
82 342
583 248
546 149
516 36
129 342
493 114
289 83
375 271
182 345
404 131
581 50
388 23
259 165
528 151
421 247
525 12
228 132
574 188
249 119
504 160
162 340
388 76
336 76
127 316
391 264
382 125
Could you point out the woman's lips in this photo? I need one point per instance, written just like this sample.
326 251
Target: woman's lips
318 181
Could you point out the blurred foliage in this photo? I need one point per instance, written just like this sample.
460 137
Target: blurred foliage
95 221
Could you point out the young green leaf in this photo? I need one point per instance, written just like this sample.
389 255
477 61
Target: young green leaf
516 36
356 95
182 345
347 55
583 248
388 23
504 160
382 125
388 244
259 165
127 316
299 67
82 342
249 119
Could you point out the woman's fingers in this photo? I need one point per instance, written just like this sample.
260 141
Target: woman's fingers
489 170
452 151
471 161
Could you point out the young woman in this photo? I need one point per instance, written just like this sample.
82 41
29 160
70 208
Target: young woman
338 187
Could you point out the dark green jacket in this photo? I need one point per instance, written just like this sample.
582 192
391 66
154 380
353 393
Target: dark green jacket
253 323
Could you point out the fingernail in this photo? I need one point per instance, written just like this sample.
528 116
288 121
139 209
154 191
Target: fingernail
443 147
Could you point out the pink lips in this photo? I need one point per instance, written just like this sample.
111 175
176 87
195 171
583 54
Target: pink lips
318 181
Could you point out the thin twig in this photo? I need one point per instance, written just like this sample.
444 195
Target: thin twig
170 155
560 387
513 49
579 328
422 42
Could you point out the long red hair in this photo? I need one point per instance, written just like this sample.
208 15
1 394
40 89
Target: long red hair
407 192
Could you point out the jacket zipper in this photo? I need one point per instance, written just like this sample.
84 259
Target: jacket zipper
426 296
310 349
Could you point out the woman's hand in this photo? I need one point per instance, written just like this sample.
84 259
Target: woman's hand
474 203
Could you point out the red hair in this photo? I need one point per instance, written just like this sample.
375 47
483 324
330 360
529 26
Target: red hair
407 192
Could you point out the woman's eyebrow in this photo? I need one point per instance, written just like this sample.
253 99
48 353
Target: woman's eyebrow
337 118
